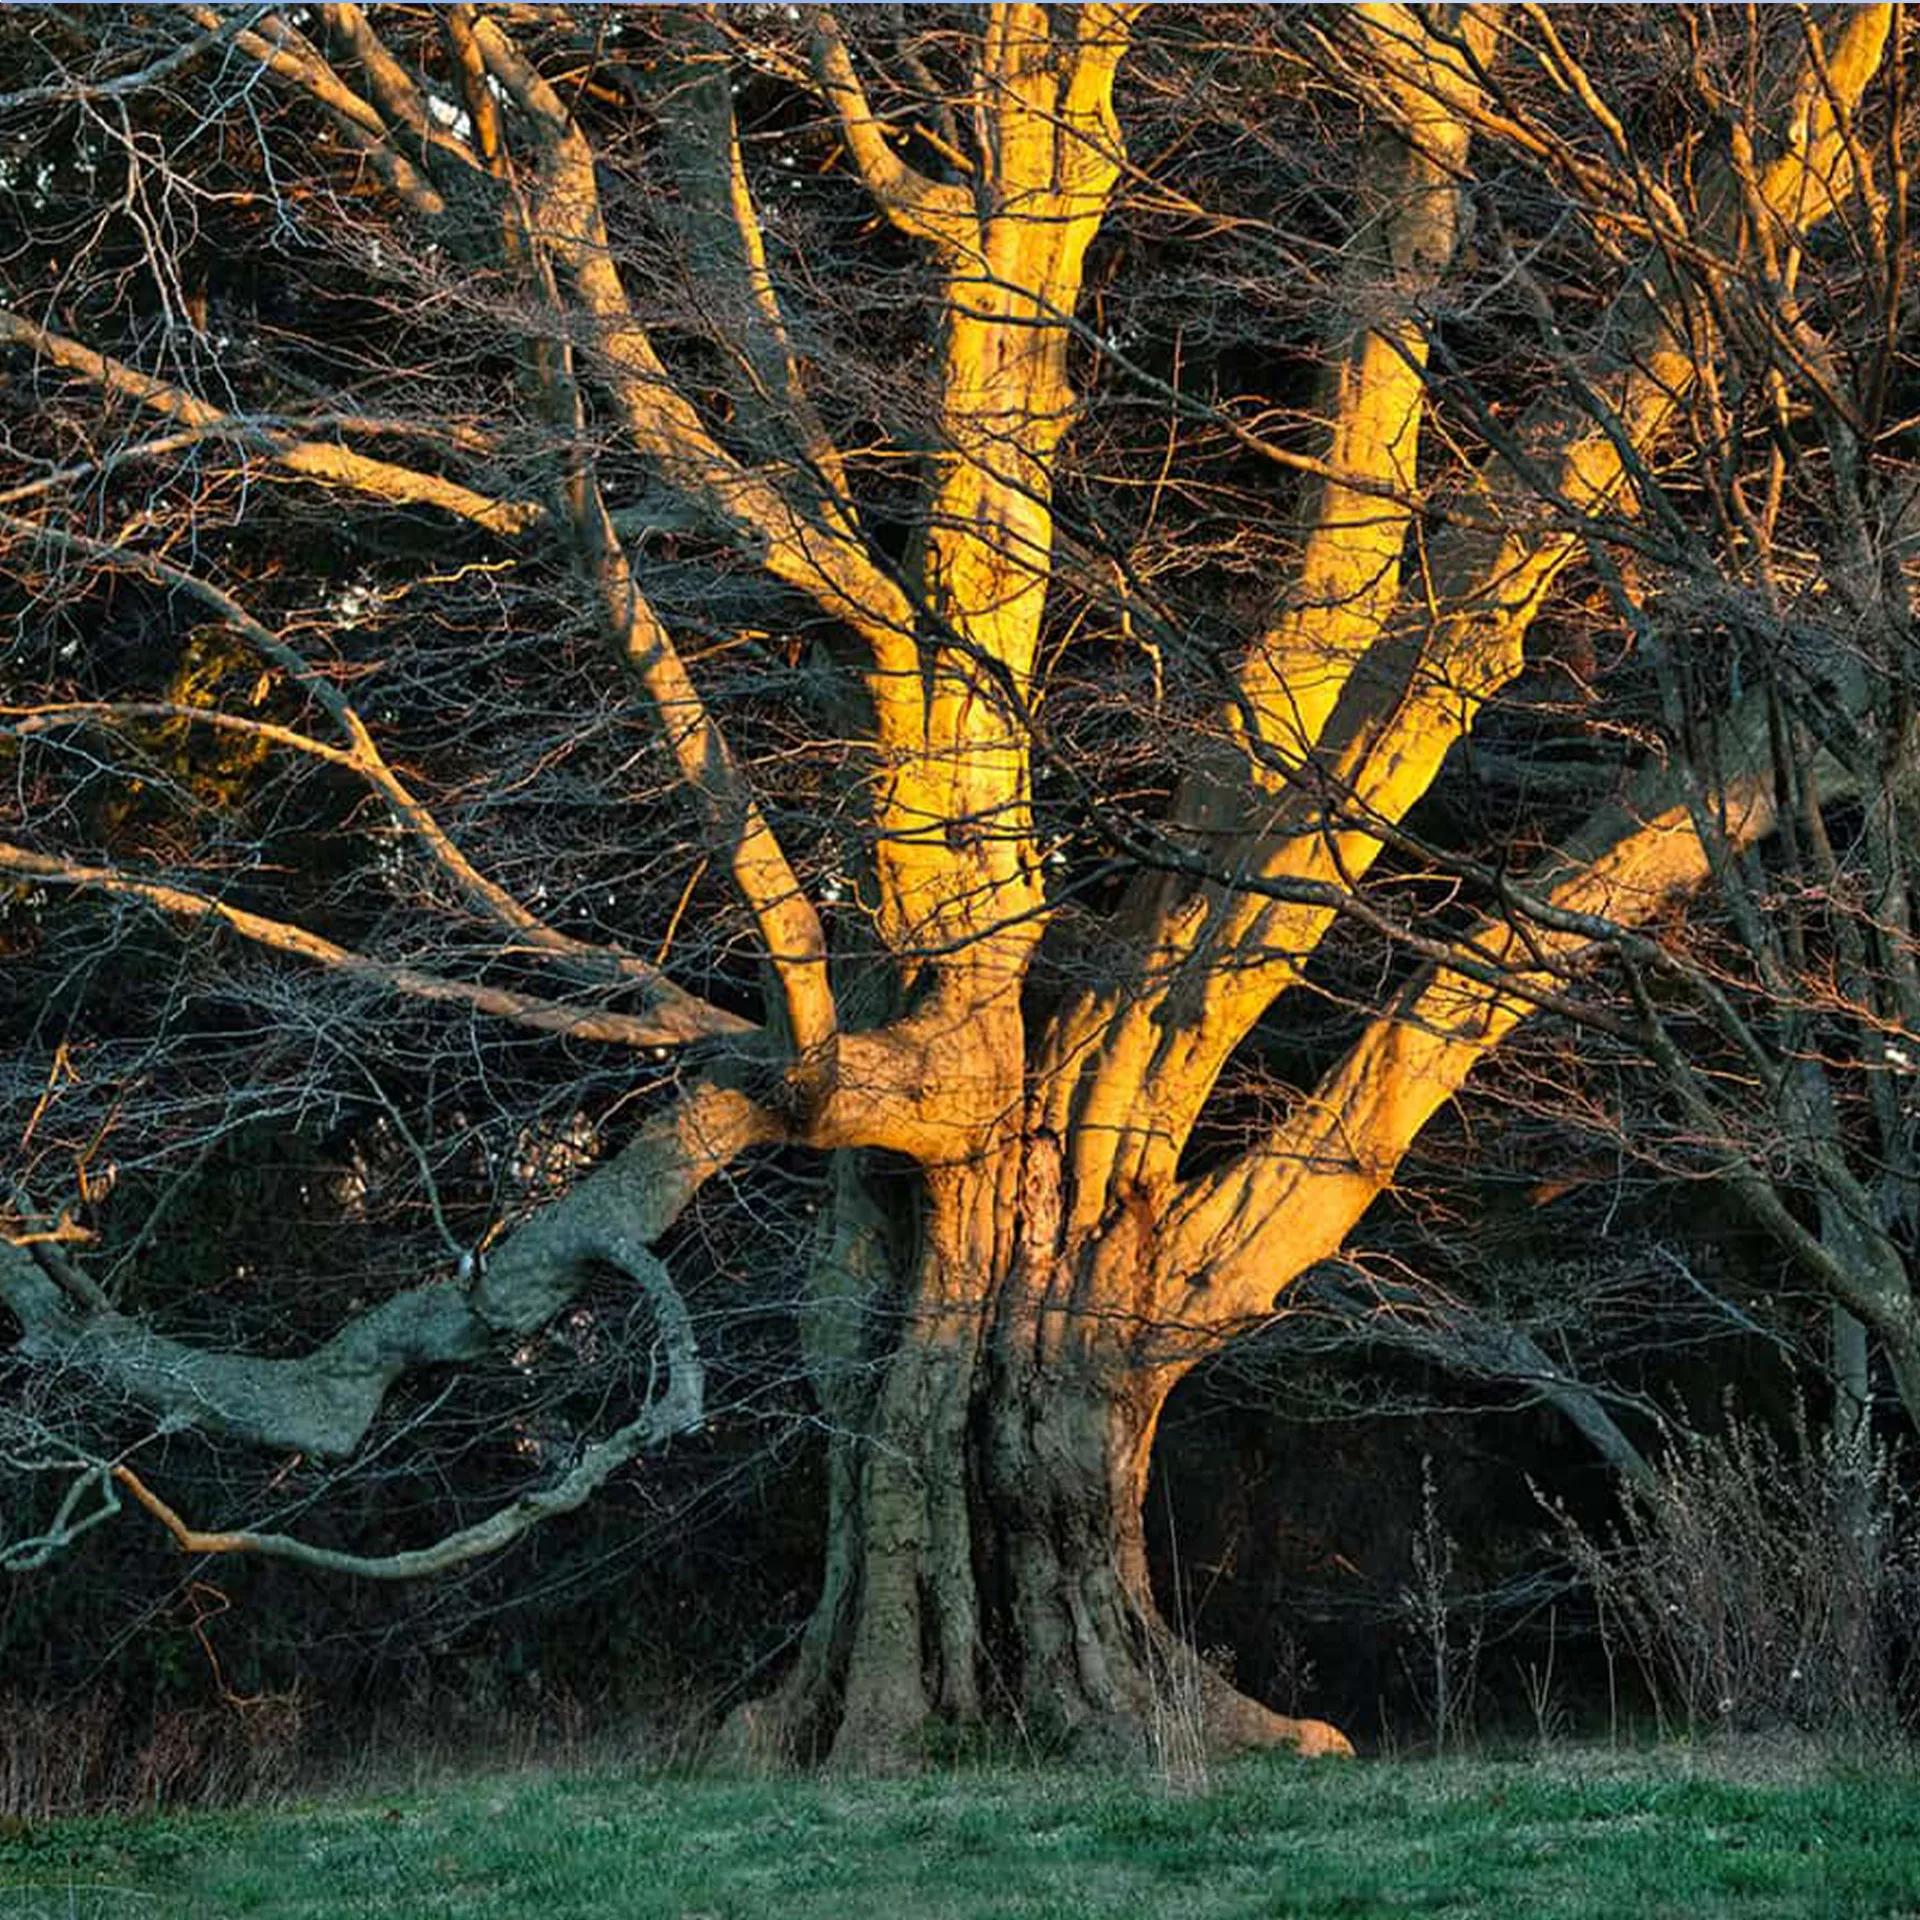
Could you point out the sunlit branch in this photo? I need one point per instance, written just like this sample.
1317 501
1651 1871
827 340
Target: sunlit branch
330 464
394 88
1412 697
364 757
937 211
797 542
794 942
677 1019
1322 1168
290 56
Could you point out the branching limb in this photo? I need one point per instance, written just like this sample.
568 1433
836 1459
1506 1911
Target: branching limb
678 1019
396 92
1451 1333
1348 583
1419 690
331 464
290 56
678 1408
801 543
1238 1236
324 1402
1285 692
89 1497
936 211
71 90
795 541
703 141
794 941
1571 455
673 1414
363 757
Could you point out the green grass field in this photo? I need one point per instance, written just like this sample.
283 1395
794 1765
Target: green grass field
1657 1835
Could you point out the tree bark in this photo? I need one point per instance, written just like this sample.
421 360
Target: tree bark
986 1543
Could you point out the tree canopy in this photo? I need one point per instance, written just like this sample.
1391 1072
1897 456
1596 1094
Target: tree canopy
946 669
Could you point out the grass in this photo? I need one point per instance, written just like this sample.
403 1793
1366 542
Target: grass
1558 1839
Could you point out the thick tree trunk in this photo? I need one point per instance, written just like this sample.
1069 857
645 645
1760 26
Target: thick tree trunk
986 1547
1065 1445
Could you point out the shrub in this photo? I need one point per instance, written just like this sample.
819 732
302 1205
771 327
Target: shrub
1762 1583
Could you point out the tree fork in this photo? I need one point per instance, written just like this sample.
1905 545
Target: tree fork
986 1552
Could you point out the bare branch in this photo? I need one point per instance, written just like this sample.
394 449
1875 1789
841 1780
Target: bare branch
802 544
325 1402
332 465
677 1007
679 1019
290 56
1324 1166
929 210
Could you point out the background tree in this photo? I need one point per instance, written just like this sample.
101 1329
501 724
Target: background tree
791 423
1771 1035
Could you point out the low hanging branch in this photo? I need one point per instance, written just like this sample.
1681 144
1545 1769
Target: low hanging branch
325 1402
596 1466
679 1408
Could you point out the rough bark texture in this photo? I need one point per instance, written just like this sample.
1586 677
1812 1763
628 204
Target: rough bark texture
986 1544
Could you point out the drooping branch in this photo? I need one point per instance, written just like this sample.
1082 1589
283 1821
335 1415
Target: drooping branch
678 1410
677 1407
88 1499
324 1402
1397 1315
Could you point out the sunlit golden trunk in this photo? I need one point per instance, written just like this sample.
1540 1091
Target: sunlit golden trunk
993 1432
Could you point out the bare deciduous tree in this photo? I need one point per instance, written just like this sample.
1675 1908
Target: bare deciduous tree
547 301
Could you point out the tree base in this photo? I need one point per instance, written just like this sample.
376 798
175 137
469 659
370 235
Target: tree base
1185 1717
